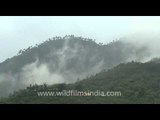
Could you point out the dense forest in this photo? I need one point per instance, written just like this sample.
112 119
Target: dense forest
82 64
138 83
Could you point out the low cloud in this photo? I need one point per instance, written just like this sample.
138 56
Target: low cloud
52 72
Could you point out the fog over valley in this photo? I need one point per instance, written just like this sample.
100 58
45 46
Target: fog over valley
70 58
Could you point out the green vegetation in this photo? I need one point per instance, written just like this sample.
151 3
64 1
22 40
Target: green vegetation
138 83
72 58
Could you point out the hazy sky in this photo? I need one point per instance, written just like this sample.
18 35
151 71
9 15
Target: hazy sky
20 32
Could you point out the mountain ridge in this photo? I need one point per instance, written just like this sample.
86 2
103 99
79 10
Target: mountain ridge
64 60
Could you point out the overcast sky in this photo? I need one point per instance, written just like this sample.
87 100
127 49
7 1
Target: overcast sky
19 32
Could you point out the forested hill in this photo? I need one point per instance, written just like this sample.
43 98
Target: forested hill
64 60
137 82
77 51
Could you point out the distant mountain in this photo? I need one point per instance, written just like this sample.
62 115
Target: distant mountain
65 60
137 82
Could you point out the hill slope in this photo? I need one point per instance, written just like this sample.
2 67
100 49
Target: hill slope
137 82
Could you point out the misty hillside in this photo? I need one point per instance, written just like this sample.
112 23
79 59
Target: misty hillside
65 60
138 83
